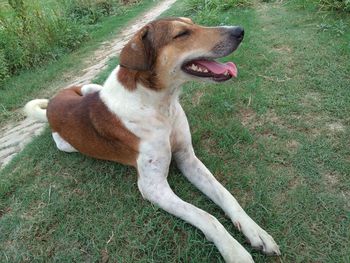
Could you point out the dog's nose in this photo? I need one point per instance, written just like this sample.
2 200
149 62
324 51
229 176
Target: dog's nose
237 32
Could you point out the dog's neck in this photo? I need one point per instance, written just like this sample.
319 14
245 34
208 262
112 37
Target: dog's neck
120 99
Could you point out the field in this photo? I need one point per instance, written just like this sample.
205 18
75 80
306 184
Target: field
277 137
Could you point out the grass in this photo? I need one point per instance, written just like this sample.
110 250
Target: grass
277 137
44 80
36 32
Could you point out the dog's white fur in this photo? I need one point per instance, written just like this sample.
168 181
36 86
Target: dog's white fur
36 109
62 144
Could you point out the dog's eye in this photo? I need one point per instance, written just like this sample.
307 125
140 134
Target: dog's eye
182 34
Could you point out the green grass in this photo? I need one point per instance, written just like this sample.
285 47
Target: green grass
277 137
42 81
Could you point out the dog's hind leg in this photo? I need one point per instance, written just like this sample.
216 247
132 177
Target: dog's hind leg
62 144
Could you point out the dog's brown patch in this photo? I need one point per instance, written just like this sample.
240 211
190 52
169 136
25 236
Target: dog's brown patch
127 77
88 125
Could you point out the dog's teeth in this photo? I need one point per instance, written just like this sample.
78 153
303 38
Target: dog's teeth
194 67
226 73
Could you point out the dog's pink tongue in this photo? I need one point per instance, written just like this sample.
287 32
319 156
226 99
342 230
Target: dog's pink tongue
219 68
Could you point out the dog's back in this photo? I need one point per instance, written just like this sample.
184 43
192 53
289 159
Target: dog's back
86 123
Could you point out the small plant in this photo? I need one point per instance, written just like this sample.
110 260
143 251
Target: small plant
337 5
4 74
88 11
339 27
217 4
340 5
207 11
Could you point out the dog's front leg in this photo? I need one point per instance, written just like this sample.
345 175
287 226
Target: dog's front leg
153 165
202 178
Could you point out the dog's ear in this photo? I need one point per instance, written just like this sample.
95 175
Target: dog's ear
138 54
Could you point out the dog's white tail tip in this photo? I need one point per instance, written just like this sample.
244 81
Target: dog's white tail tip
36 109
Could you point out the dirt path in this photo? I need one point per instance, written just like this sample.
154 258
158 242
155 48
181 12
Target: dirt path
15 136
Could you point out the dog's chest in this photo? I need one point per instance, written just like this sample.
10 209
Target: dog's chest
148 114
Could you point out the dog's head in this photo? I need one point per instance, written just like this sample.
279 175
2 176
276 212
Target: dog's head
168 52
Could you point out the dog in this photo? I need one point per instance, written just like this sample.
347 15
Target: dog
136 119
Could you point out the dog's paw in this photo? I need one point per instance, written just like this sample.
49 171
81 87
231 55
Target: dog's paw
234 252
257 237
238 257
243 259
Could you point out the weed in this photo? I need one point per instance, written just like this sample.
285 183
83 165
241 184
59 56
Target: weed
4 74
337 5
209 10
90 12
302 4
340 5
339 27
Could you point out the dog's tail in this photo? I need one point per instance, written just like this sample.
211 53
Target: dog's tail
36 109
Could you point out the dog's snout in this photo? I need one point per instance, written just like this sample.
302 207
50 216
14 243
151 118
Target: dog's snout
237 32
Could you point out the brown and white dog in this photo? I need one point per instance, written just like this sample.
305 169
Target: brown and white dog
136 119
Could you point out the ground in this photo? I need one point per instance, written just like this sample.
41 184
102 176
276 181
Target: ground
277 137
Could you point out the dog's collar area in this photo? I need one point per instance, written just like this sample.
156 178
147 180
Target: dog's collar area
206 68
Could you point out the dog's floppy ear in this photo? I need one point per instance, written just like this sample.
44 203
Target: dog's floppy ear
138 54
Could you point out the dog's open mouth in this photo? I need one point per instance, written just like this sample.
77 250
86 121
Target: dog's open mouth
205 68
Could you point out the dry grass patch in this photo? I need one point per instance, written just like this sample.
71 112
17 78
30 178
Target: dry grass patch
331 178
248 118
336 127
4 211
315 124
292 146
310 99
251 120
196 97
208 143
271 117
283 49
296 182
